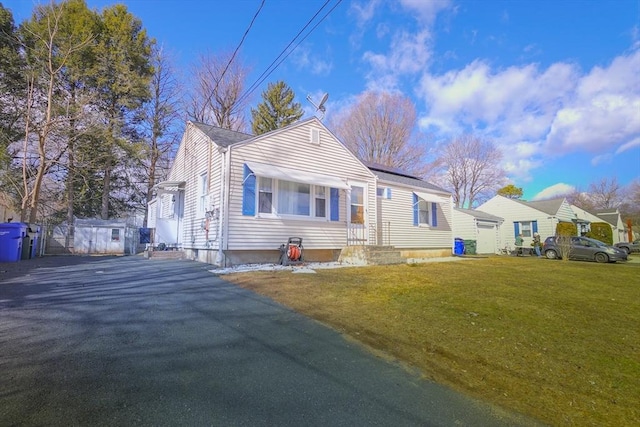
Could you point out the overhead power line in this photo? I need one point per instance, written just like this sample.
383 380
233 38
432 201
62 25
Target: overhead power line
280 58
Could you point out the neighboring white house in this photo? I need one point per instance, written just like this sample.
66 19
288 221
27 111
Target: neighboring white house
527 217
235 198
484 228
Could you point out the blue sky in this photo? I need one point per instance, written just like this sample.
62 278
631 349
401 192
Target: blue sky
554 84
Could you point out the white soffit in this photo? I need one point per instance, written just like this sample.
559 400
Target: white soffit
294 175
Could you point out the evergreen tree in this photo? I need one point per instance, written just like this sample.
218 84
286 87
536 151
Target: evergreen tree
277 109
511 192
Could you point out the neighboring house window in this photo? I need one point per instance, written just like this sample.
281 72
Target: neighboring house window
115 234
357 205
526 228
320 204
203 188
265 196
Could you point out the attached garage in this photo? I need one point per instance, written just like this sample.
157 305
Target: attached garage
482 227
487 237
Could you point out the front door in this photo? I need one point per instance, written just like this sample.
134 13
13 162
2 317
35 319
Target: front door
357 221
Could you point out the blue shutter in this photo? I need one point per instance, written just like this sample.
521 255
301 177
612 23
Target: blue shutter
434 214
516 228
248 192
334 206
534 226
415 210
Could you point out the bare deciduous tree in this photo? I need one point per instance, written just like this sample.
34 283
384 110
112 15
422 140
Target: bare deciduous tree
471 169
160 117
215 98
606 193
379 128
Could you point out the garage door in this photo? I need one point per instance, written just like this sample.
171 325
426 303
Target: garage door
487 239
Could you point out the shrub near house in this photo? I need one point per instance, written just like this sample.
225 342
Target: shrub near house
601 231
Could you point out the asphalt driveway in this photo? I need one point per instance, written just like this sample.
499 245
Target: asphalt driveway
130 341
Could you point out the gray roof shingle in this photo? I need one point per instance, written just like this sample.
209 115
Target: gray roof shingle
220 136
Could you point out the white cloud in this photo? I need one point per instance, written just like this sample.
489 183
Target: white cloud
557 190
629 145
304 58
408 54
426 10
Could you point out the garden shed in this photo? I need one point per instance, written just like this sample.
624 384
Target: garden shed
97 236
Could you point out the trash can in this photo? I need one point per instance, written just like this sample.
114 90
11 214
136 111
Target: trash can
30 241
470 247
11 237
458 246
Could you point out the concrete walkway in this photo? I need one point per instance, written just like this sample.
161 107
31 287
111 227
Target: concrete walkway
130 341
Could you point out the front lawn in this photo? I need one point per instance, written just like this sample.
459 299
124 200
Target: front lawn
558 341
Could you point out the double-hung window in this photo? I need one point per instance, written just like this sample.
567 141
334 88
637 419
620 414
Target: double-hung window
265 196
320 205
525 228
203 189
423 212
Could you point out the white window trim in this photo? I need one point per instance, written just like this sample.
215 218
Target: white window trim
428 223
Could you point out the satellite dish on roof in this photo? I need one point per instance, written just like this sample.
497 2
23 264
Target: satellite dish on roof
320 107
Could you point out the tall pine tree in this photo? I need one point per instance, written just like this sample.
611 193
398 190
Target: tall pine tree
277 109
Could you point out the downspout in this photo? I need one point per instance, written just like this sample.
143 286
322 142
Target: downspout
222 218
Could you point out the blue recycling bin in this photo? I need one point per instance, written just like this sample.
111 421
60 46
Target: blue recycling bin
11 236
458 246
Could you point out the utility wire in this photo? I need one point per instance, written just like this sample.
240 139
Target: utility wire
269 69
236 51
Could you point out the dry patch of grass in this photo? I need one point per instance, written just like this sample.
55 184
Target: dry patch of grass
559 341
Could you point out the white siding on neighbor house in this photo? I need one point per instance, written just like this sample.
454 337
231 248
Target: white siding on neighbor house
398 211
512 211
292 148
197 155
464 225
485 233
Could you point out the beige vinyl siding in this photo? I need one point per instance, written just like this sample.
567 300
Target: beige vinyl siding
292 148
398 211
191 161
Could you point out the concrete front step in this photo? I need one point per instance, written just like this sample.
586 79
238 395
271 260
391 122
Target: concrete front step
371 255
164 254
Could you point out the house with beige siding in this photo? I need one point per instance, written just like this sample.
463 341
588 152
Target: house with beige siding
233 198
526 218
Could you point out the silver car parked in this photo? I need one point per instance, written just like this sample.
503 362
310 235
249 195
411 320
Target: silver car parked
584 248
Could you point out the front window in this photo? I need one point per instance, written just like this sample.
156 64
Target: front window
280 197
525 228
294 198
115 234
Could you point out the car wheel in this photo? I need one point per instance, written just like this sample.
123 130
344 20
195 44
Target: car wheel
600 257
626 249
551 254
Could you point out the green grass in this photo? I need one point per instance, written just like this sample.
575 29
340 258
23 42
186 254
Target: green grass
558 341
